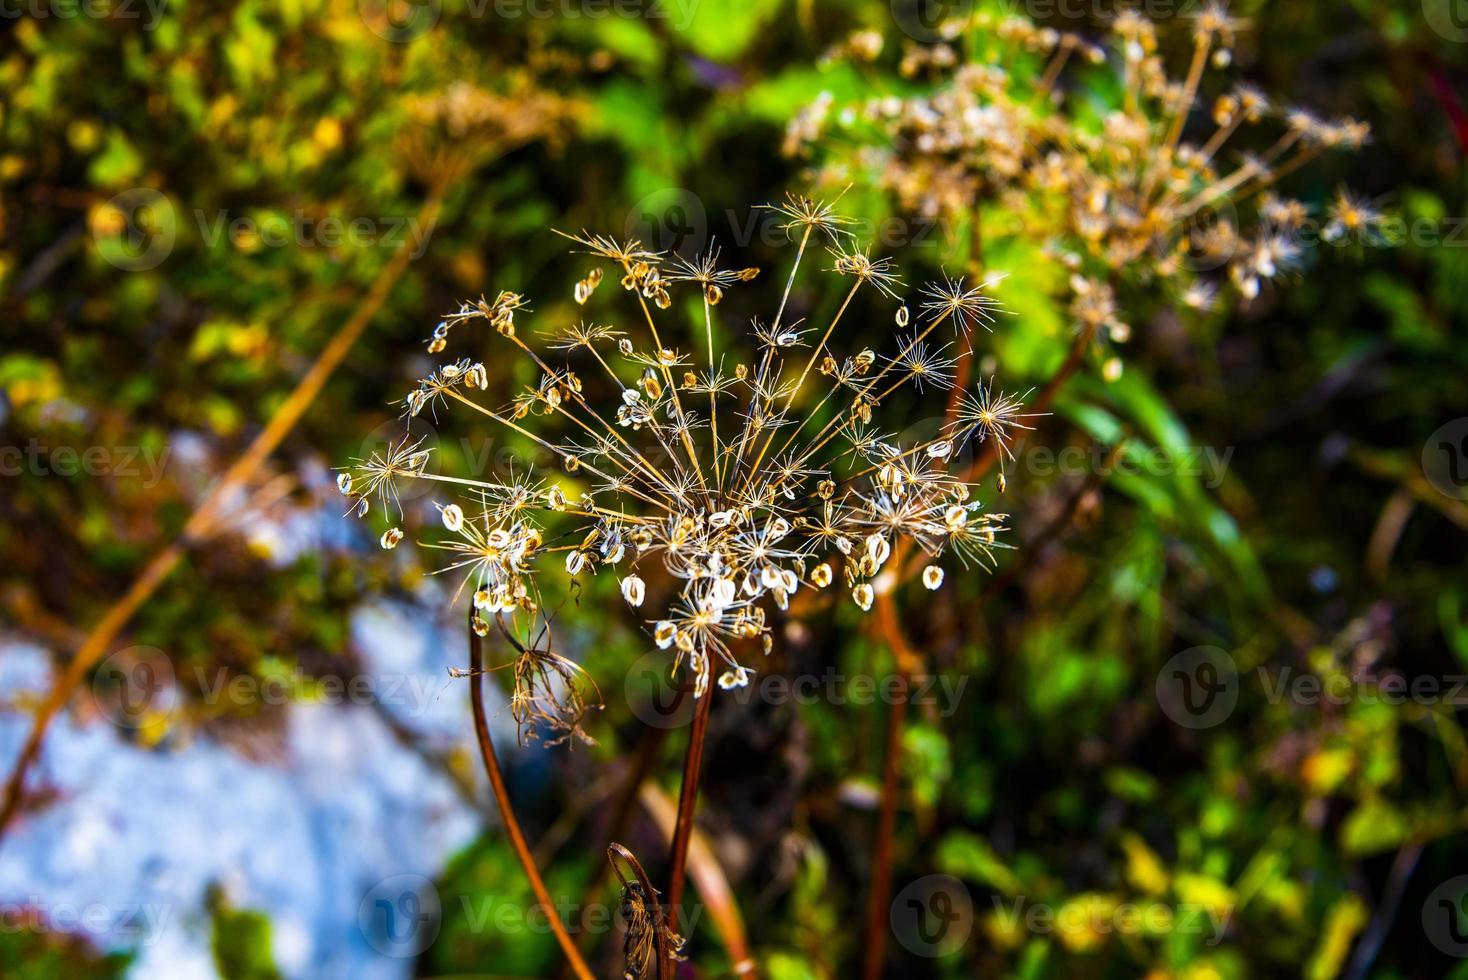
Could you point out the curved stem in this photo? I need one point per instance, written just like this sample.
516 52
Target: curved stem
665 952
507 813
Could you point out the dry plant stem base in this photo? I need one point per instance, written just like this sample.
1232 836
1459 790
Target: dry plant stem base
687 804
202 521
507 813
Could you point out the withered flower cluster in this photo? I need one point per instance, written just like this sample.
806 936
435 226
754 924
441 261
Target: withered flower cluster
721 480
1142 190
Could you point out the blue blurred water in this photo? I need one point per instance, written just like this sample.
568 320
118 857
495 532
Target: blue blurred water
126 852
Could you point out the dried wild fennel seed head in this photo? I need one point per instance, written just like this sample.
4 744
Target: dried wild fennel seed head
713 481
1158 192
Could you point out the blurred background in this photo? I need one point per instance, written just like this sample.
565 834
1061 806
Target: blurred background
1204 721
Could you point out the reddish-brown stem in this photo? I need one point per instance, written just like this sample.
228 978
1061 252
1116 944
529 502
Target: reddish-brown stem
507 813
687 803
642 764
907 661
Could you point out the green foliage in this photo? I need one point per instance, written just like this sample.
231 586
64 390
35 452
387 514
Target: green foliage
1059 779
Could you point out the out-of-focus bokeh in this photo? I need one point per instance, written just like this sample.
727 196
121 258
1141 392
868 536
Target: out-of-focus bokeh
1205 720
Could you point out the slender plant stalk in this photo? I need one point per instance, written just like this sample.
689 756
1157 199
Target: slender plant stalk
687 803
708 877
202 521
507 813
626 800
906 661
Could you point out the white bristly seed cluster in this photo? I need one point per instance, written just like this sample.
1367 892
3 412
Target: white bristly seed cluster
717 489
